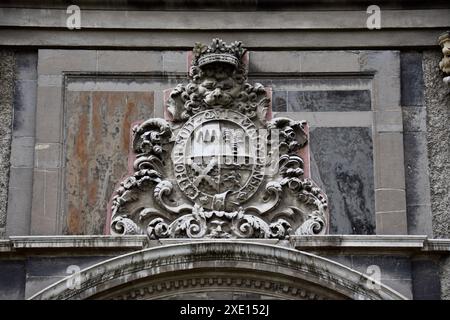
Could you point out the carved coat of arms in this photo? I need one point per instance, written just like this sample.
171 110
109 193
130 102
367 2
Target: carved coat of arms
218 166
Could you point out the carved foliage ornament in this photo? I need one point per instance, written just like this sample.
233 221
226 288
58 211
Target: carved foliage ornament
218 168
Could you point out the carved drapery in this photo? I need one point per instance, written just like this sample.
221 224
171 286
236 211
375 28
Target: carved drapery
218 167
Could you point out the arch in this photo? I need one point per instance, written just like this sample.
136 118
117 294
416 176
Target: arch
221 265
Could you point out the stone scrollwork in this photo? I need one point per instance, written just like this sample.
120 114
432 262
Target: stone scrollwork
217 224
218 167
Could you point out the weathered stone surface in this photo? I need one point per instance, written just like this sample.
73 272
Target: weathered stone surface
43 271
98 128
419 219
392 266
49 266
214 296
330 100
411 79
48 114
389 162
12 279
356 252
395 271
445 278
437 101
217 141
279 101
319 61
22 148
19 201
47 155
45 202
387 199
128 61
425 276
415 144
391 222
386 82
22 152
414 119
53 62
214 265
342 164
233 15
417 183
388 120
26 65
36 284
6 109
174 61
267 61
24 107
359 242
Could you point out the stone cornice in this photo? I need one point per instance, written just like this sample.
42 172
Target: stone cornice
17 243
223 20
406 243
359 241
226 4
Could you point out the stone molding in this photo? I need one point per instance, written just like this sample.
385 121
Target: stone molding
386 39
165 261
182 20
213 282
74 242
340 242
228 4
434 245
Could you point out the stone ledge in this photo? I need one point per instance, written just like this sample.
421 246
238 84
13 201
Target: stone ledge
5 246
358 241
275 242
58 242
409 242
223 20
437 245
255 40
225 4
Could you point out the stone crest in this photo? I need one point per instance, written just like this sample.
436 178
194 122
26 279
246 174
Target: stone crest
218 166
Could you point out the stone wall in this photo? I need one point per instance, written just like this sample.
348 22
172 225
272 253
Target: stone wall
445 278
415 144
437 100
6 101
22 144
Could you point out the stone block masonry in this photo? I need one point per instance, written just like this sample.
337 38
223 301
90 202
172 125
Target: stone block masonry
6 101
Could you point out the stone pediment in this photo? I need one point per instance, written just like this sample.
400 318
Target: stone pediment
218 166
